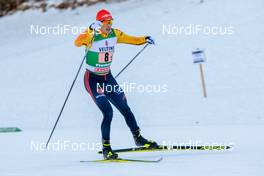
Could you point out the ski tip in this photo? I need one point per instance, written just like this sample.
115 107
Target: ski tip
230 147
160 159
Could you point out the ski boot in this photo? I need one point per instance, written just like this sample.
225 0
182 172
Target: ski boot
140 141
108 153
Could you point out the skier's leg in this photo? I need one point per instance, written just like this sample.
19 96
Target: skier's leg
104 105
101 101
107 111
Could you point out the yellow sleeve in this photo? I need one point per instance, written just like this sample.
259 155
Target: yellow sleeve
124 38
84 38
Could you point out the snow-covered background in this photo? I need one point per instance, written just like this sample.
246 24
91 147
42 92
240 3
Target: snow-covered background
36 72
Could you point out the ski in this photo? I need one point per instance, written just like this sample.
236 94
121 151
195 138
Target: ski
172 148
122 160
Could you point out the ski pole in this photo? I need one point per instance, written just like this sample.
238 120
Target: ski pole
65 102
132 60
68 94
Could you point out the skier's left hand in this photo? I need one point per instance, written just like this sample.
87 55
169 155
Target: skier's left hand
150 40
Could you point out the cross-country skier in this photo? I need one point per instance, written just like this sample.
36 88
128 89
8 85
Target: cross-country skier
100 40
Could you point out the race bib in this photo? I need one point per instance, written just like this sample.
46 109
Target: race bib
105 57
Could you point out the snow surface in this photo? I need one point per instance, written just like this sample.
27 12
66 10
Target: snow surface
37 71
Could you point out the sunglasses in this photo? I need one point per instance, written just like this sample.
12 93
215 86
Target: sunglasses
109 22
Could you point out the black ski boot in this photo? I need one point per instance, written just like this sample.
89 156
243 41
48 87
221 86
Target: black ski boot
140 141
108 152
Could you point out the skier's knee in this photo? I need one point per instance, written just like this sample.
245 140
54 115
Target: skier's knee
126 110
108 115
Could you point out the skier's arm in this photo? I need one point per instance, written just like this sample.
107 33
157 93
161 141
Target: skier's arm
124 38
84 38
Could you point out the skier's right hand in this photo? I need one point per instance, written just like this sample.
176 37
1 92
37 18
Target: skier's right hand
96 25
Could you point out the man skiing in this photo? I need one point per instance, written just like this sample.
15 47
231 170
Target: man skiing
100 40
